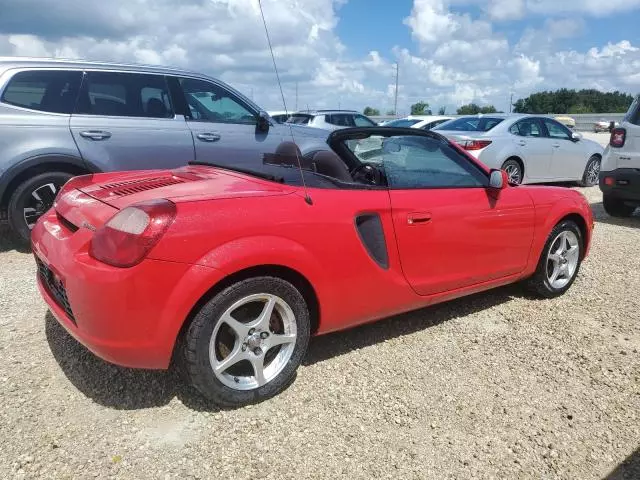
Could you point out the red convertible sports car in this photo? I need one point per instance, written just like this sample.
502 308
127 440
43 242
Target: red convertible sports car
230 270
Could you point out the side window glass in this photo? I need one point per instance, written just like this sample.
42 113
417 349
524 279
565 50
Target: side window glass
526 128
339 119
557 130
212 103
125 95
362 121
51 91
418 162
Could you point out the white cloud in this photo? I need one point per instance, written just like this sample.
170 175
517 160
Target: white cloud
503 10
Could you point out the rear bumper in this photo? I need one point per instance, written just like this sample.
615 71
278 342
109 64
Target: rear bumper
622 183
127 316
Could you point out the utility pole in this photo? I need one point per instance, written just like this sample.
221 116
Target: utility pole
510 103
395 102
296 96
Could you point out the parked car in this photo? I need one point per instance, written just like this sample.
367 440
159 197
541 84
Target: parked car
604 126
65 118
230 270
424 122
331 119
279 116
568 122
532 149
620 175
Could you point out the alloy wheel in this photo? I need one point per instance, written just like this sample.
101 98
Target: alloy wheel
514 173
593 172
253 341
562 259
38 203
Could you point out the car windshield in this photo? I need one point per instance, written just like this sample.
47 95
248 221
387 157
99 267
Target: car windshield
470 124
299 119
402 122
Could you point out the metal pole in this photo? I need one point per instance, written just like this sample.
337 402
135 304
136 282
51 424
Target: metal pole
510 103
296 96
395 103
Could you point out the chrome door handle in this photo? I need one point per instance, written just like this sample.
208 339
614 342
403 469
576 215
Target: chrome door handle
522 143
95 134
208 137
556 145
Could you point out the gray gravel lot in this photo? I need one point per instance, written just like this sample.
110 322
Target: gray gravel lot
498 385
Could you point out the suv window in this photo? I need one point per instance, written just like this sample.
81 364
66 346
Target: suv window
526 128
633 115
340 119
211 103
362 121
418 162
52 91
125 95
300 119
557 130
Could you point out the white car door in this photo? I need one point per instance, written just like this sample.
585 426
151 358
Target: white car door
534 149
569 157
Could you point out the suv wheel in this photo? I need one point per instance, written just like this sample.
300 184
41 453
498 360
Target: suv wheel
616 207
32 199
246 343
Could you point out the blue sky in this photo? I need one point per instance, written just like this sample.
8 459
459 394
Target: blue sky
450 52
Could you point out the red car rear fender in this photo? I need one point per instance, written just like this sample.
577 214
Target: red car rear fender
550 215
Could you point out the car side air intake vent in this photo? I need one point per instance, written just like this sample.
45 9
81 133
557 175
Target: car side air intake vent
369 227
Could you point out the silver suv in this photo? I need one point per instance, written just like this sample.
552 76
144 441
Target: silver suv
331 119
620 171
64 118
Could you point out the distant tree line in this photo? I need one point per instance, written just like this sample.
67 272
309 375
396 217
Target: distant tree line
574 101
473 109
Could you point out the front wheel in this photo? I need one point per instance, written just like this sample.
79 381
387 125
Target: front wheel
591 172
560 261
32 199
246 343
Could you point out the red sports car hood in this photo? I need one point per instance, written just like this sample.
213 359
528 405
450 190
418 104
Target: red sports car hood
185 184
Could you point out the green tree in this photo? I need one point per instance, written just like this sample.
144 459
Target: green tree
369 111
420 108
574 101
474 109
442 110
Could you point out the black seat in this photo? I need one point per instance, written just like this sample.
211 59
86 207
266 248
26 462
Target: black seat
329 164
156 108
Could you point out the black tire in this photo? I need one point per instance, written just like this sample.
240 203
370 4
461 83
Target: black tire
196 361
46 186
539 282
616 207
588 179
514 170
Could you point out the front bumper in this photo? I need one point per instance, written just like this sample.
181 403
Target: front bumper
622 183
126 316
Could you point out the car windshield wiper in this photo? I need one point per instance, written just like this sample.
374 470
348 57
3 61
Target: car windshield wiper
254 173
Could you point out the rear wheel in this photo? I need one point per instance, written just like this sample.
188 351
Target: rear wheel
246 343
514 171
32 199
616 207
591 172
560 261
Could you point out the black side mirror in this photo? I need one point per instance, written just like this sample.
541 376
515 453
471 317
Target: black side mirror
264 122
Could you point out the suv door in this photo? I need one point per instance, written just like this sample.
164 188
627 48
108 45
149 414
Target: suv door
533 147
126 121
569 158
224 127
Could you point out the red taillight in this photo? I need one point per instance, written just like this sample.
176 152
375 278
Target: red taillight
126 239
474 144
609 181
618 137
75 183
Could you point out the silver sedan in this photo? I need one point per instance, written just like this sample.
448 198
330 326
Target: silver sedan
532 149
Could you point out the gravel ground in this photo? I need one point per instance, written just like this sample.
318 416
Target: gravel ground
498 385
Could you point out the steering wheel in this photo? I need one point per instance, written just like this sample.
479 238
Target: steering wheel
366 173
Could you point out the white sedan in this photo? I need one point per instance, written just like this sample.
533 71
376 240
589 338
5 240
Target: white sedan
531 149
424 122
